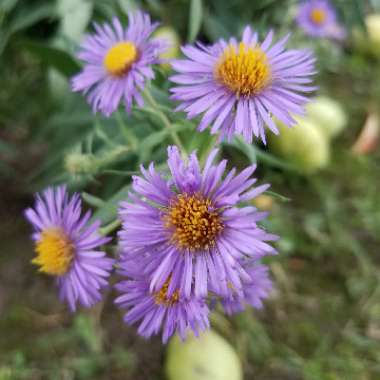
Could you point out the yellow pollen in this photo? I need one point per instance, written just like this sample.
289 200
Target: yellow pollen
318 16
244 70
161 297
54 251
120 57
194 222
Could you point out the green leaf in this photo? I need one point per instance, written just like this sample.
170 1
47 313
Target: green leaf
30 16
195 19
108 211
92 200
53 57
247 149
75 16
376 5
25 18
7 5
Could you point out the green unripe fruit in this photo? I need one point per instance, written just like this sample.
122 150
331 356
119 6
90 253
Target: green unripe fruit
372 23
328 115
208 357
369 42
304 146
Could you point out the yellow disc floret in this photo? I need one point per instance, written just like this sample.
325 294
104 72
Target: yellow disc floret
55 252
161 297
318 16
244 70
194 222
120 57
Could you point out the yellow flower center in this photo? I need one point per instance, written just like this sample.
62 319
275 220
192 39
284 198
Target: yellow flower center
318 16
161 297
54 251
194 223
244 70
120 57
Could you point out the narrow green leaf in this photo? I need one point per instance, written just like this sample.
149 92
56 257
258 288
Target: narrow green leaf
108 212
92 200
247 149
195 19
75 16
25 18
54 57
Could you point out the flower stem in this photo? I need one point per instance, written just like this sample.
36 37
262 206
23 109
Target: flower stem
110 227
126 131
164 120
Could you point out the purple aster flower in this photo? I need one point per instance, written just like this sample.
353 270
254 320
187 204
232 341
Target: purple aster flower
239 86
255 290
67 247
157 309
117 63
318 19
194 228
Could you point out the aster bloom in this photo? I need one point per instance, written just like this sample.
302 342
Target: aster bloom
158 310
194 227
255 290
117 63
318 19
239 86
68 248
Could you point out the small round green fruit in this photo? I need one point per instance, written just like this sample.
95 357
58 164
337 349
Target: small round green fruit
328 115
304 146
209 357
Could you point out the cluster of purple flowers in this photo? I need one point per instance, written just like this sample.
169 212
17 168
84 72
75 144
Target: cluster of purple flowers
185 241
192 238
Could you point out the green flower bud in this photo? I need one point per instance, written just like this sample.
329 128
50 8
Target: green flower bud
328 115
80 164
208 357
304 145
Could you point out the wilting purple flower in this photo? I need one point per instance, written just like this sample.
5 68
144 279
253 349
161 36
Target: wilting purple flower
67 247
117 63
255 290
158 310
318 19
239 86
194 228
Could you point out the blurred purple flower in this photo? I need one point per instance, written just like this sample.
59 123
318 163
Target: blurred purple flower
117 63
67 247
318 19
239 86
156 310
255 290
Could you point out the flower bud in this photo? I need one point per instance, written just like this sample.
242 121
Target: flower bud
328 115
80 164
208 357
304 146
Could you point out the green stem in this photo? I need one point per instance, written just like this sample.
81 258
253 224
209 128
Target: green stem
129 136
164 120
110 227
